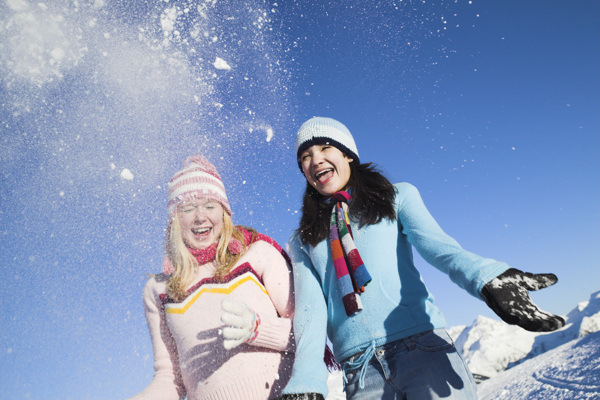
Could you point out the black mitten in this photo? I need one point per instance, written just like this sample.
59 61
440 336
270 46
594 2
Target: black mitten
508 296
303 396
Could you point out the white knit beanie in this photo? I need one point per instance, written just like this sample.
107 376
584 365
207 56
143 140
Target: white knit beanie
321 130
198 179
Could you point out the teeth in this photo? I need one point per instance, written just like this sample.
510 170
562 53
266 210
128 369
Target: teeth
319 174
200 230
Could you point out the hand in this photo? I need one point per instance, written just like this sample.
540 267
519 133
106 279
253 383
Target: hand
242 323
302 396
508 296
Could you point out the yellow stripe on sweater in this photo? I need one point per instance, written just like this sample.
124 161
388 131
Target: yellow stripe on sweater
182 308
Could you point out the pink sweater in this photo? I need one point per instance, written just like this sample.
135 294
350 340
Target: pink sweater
189 357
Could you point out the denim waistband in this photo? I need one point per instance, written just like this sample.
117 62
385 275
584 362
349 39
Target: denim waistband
361 359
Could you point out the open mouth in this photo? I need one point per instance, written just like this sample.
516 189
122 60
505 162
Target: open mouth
322 175
200 231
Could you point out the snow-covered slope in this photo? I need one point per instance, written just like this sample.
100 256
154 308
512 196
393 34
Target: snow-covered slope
569 372
490 346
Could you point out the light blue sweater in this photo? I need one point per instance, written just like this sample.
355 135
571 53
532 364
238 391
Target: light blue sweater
396 302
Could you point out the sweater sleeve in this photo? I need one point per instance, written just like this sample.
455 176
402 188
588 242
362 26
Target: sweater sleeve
276 333
468 270
309 374
167 383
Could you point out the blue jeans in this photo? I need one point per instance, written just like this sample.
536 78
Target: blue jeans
420 367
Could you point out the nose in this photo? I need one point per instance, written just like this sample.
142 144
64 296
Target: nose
317 157
199 215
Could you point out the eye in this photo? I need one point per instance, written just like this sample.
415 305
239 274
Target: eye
211 205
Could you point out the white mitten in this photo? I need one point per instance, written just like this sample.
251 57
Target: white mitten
242 323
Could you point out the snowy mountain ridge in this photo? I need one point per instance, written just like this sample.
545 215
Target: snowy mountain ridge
490 346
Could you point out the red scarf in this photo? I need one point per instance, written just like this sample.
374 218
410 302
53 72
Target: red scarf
206 255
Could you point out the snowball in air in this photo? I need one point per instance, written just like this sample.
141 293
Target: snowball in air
126 174
221 64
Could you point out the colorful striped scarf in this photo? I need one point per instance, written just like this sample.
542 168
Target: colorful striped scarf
352 275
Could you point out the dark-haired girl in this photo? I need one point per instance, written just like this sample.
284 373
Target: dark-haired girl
356 282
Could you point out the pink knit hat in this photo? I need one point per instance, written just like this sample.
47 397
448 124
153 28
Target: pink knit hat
198 179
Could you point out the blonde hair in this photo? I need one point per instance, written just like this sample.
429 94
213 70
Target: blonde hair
185 263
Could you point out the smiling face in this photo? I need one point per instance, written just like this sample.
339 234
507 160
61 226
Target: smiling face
325 168
201 222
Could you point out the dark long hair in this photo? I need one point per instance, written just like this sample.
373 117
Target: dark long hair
372 200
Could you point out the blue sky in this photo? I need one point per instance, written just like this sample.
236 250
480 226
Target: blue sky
490 108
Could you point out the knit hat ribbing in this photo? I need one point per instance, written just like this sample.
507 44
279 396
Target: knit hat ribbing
322 130
198 179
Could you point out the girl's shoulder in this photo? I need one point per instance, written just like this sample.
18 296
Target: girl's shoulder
262 257
296 247
405 187
262 249
265 250
156 285
253 238
404 191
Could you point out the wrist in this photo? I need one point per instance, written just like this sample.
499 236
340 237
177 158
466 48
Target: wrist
274 333
254 332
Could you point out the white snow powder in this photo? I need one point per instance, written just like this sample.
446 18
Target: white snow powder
167 20
57 54
17 5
